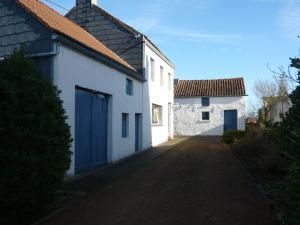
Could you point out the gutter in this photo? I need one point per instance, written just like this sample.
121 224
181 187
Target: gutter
39 55
54 52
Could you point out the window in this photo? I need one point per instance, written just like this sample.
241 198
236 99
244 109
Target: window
152 65
125 125
156 114
161 76
205 101
169 81
147 68
129 87
205 115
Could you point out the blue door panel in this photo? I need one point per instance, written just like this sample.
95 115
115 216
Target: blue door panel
90 130
99 130
82 129
230 120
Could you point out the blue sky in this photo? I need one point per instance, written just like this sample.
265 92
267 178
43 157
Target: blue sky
209 39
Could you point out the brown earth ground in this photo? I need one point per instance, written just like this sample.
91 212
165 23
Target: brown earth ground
198 181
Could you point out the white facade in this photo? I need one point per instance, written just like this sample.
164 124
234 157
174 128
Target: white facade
72 69
188 115
278 108
158 90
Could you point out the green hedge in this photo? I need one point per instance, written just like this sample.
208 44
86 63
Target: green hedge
34 140
232 136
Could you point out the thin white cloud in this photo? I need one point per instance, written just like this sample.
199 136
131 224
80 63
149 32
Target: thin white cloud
196 36
289 19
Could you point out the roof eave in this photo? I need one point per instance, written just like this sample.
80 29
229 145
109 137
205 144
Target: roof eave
157 51
98 56
214 96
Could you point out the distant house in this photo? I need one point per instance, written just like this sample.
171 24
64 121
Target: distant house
108 101
144 56
280 106
209 107
252 120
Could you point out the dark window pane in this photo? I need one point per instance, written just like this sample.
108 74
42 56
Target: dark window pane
205 101
124 125
129 87
205 115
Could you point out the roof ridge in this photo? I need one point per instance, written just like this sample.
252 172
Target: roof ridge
215 79
213 87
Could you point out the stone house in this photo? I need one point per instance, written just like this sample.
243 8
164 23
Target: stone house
209 107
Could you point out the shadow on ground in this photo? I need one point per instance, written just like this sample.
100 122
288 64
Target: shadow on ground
196 182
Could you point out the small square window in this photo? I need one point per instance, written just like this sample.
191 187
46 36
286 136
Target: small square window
205 115
129 87
205 101
125 125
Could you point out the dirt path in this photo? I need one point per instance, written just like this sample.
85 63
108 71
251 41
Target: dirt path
198 182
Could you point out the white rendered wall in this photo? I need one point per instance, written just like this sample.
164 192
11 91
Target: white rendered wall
154 93
73 68
279 108
188 115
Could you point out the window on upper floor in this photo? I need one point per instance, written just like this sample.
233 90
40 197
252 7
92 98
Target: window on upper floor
161 76
152 67
129 87
156 114
147 72
125 125
205 101
169 81
205 115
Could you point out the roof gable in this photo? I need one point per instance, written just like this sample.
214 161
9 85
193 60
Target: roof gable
125 27
220 87
61 25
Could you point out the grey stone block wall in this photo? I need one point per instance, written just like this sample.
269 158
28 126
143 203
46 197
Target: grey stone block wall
105 29
19 28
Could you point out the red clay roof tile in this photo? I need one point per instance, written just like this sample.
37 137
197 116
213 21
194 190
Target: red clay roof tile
220 87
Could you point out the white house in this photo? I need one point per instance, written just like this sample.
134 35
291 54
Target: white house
145 57
113 108
209 107
278 107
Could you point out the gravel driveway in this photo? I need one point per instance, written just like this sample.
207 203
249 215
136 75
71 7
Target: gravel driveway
197 182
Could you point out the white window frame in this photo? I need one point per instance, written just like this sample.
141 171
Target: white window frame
157 115
162 76
152 67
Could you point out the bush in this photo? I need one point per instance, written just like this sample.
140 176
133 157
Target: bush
34 140
232 136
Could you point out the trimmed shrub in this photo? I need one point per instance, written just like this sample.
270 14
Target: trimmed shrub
34 140
232 136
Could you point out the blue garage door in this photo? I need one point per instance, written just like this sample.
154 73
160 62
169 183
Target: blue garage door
230 120
90 130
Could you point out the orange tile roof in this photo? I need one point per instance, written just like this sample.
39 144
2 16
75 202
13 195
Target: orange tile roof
59 24
221 87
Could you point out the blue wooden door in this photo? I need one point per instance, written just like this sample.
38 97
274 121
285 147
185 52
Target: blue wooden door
230 120
137 131
90 130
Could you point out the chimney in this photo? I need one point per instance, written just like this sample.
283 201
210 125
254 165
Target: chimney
176 81
85 3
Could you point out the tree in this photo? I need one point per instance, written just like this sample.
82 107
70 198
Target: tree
267 93
289 141
34 140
